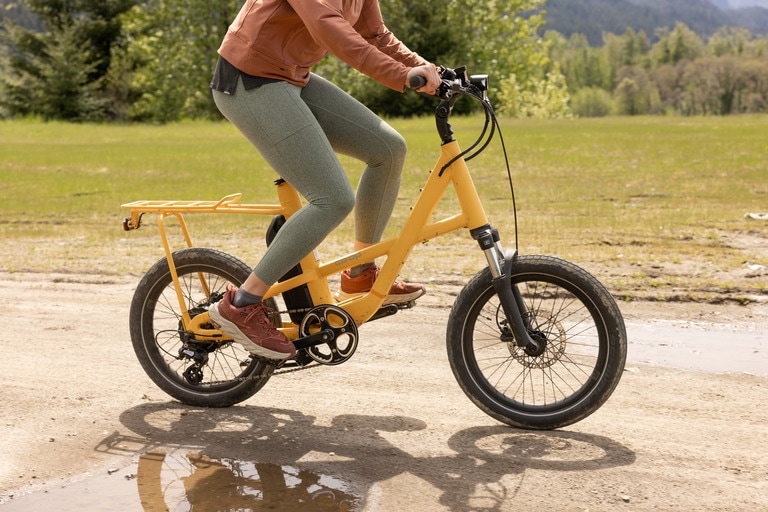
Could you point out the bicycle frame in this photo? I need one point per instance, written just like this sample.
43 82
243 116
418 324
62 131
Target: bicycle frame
450 168
533 341
417 229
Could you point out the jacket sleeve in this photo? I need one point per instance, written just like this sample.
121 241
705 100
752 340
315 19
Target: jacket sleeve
367 46
371 26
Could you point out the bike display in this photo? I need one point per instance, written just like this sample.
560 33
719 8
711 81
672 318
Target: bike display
534 341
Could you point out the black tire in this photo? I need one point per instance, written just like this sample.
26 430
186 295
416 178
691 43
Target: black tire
584 356
230 375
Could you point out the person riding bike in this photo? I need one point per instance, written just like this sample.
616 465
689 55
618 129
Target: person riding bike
298 121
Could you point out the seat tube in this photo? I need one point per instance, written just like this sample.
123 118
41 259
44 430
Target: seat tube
288 197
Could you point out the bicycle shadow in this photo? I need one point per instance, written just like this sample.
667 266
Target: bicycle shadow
284 459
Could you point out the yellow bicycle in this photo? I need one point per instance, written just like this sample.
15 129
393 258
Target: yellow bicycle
534 341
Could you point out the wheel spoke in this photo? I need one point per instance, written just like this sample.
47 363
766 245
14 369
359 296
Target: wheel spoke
582 345
193 370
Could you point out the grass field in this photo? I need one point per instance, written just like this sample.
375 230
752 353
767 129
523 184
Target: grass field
650 205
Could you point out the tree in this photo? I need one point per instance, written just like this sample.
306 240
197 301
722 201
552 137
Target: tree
546 98
679 44
756 85
591 102
496 37
669 82
635 47
613 53
635 93
3 66
680 74
170 57
58 73
61 86
503 37
581 65
729 41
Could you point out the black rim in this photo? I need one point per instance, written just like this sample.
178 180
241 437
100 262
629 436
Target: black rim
568 368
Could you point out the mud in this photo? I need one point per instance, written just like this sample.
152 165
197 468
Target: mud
83 428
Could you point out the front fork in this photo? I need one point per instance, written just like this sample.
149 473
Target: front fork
511 300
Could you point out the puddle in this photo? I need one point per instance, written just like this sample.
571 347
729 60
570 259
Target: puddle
717 348
179 481
170 477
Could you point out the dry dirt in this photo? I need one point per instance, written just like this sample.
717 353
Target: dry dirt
84 429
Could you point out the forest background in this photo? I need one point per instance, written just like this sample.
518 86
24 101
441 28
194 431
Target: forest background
151 61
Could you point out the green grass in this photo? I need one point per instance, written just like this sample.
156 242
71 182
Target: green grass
622 196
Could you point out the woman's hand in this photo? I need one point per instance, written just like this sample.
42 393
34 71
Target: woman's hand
429 73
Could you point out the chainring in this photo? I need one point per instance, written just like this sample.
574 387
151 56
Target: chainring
344 342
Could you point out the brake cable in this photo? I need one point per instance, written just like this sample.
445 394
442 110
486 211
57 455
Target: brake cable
492 120
509 174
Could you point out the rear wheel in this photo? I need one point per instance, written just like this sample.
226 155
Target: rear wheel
208 374
584 345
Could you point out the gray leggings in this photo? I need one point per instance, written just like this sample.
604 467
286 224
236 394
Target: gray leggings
298 131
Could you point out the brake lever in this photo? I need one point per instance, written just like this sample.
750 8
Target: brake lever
444 91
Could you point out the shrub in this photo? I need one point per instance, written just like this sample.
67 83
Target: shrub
592 102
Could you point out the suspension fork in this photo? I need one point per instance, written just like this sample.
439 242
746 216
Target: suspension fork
500 265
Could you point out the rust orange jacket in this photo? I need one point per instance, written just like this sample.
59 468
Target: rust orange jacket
283 39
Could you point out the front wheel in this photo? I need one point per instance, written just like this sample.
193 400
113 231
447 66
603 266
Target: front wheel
575 371
207 374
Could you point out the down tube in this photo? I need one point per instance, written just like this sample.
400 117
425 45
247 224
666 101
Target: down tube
417 228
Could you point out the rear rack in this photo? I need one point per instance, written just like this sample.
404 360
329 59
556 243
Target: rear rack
227 204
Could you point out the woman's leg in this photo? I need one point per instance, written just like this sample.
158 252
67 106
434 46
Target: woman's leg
275 119
353 130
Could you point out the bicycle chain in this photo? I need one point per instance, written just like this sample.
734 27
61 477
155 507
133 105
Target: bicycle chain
258 377
272 361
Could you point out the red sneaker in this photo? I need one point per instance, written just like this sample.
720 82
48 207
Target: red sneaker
401 292
250 326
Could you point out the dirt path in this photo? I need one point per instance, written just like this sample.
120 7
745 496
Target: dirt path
389 430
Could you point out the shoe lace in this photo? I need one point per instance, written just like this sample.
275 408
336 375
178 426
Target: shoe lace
259 312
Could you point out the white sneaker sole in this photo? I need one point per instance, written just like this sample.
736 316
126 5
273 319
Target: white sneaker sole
233 332
389 299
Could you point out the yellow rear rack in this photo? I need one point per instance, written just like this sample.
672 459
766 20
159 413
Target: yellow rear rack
227 204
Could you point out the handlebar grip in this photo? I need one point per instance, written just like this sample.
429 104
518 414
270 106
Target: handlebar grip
417 81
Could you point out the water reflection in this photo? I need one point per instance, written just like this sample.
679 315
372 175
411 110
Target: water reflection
255 458
189 482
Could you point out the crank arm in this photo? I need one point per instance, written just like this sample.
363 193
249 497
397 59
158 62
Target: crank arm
317 338
512 304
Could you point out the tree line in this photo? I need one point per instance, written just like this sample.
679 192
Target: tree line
152 60
678 74
593 18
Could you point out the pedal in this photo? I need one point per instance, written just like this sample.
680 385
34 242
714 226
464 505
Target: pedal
391 309
385 311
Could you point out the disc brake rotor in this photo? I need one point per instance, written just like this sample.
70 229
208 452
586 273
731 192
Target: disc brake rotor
553 337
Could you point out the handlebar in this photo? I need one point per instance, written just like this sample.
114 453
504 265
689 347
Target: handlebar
455 83
417 81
